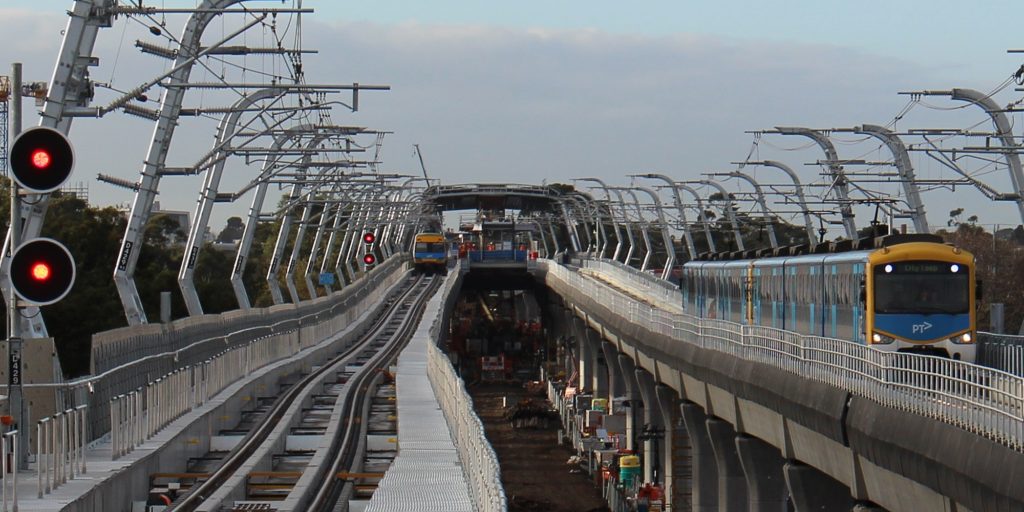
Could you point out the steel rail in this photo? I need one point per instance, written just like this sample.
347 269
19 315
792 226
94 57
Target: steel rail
342 454
200 492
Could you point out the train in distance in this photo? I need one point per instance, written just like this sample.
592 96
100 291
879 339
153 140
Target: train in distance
906 293
430 253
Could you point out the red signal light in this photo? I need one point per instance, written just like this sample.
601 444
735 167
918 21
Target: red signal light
41 159
42 271
369 259
369 238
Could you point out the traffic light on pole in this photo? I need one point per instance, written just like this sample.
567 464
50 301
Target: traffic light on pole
41 159
42 271
369 258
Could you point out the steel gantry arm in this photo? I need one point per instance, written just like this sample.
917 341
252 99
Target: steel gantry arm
642 222
629 230
149 182
1004 134
839 181
701 216
611 214
687 236
252 219
279 245
730 214
812 235
570 226
901 160
759 194
208 196
670 250
583 206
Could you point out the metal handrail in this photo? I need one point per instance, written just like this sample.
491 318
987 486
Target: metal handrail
479 462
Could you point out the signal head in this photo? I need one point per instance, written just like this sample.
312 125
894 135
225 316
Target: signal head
42 271
369 259
41 159
369 237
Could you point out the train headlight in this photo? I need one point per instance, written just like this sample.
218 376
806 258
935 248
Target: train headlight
881 339
963 338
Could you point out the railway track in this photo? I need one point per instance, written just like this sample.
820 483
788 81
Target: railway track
296 449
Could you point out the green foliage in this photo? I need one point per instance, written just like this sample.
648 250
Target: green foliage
232 231
1000 266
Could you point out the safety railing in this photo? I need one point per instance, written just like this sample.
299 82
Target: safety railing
8 460
1001 351
60 449
479 462
986 401
138 415
642 283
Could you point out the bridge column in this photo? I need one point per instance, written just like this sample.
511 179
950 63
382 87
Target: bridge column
653 428
584 355
636 405
732 485
676 451
598 364
705 470
615 384
812 490
762 464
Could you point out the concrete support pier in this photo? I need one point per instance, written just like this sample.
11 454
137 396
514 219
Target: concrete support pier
814 491
636 406
676 451
762 466
615 385
653 428
705 471
732 484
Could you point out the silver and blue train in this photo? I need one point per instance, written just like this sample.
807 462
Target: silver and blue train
912 293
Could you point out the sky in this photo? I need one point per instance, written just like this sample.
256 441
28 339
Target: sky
532 92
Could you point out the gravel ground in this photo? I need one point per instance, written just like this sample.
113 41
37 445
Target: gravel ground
533 466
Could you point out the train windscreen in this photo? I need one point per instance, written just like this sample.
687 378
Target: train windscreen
923 287
430 247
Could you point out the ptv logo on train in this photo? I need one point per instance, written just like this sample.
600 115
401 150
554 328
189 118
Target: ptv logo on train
914 328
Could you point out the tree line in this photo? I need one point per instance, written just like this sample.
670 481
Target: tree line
93 235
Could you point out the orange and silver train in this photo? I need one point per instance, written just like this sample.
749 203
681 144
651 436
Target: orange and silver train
430 252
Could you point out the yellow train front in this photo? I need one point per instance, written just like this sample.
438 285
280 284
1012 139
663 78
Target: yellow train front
911 294
430 253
